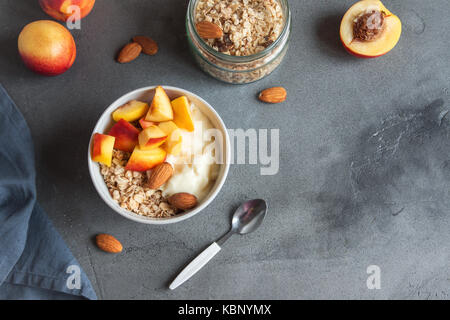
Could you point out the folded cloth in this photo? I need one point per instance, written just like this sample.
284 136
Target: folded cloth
35 263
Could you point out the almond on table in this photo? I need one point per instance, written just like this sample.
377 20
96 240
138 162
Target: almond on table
149 46
273 95
108 243
129 52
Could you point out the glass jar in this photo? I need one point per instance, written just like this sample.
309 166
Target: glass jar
238 69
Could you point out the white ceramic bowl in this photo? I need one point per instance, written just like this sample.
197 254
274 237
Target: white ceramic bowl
146 94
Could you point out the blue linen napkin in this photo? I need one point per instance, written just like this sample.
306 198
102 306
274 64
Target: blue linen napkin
35 263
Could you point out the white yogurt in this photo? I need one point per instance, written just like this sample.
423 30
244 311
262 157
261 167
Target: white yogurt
195 170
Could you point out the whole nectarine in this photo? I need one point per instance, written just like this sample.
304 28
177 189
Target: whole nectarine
60 9
47 47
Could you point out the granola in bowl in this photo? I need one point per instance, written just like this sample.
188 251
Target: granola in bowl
129 189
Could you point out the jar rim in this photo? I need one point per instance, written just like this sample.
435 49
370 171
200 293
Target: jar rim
239 59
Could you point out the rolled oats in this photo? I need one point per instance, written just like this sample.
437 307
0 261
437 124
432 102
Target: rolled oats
249 26
255 39
128 189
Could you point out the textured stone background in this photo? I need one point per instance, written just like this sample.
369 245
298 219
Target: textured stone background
365 164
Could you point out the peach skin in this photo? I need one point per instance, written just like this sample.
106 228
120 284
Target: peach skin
47 47
151 137
59 9
102 148
145 124
131 111
126 135
143 160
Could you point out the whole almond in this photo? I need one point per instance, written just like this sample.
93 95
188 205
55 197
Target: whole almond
208 30
108 243
273 95
159 175
149 46
129 52
183 200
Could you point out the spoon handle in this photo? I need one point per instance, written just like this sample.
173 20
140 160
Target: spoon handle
195 265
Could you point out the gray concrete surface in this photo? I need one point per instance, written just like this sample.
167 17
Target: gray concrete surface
365 165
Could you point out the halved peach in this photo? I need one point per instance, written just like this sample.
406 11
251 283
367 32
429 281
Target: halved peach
102 148
182 113
131 111
126 135
160 109
143 160
369 30
145 124
151 137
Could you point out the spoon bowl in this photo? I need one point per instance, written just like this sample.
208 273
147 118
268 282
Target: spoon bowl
249 216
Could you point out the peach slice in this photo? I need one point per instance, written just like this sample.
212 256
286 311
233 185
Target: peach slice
145 124
143 160
131 111
168 126
174 143
151 137
369 30
126 135
160 109
102 148
182 113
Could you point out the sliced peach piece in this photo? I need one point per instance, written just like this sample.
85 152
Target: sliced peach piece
369 30
102 148
182 113
143 160
174 143
168 126
131 111
145 124
151 137
126 135
160 109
